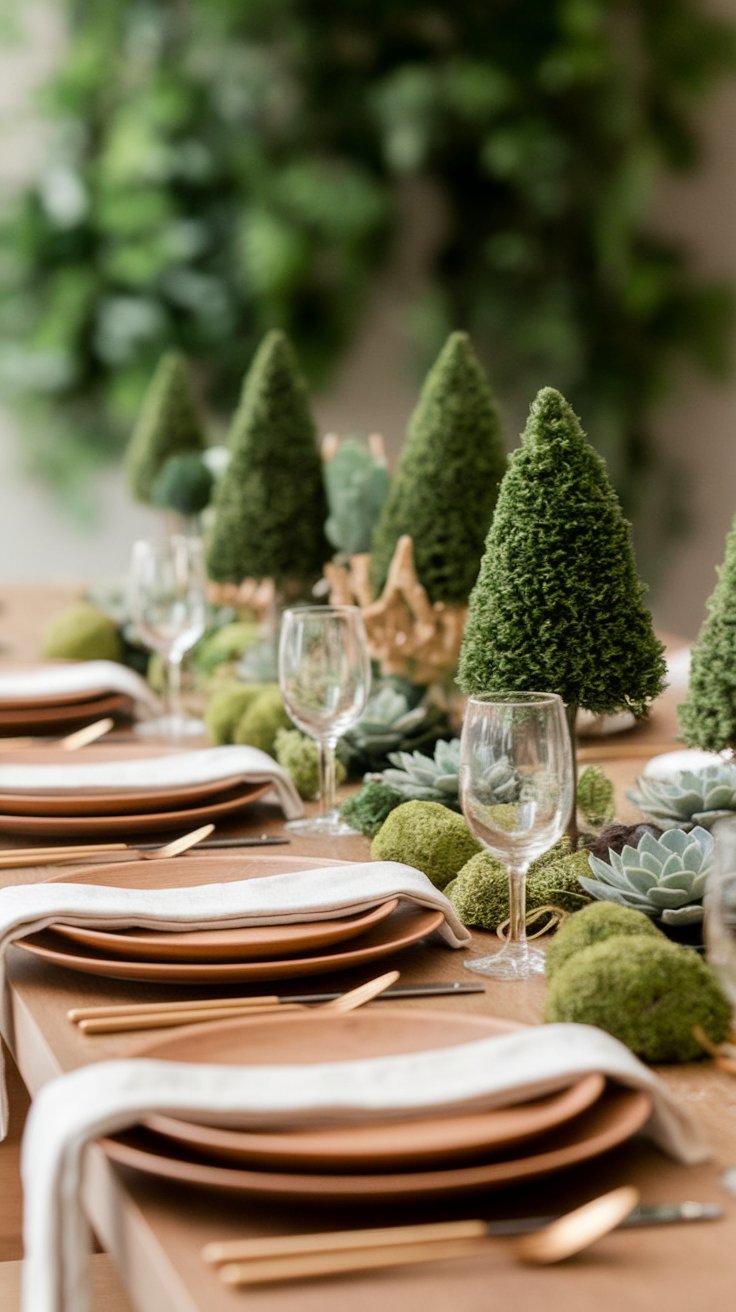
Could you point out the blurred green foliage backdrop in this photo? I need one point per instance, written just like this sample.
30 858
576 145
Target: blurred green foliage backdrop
221 167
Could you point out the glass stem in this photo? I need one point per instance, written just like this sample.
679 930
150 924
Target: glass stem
517 904
173 686
327 799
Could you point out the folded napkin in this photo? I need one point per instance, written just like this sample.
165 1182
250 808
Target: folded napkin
77 677
178 770
108 1097
303 895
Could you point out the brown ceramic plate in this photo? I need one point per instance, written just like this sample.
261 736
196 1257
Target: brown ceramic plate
73 825
613 1119
57 718
407 925
369 1147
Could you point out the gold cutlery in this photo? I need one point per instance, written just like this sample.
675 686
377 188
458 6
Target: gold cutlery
152 1016
300 1257
50 856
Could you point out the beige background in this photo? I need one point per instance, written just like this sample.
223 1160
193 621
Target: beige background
372 393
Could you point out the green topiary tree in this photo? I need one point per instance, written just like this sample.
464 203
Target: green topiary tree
270 505
447 480
169 425
558 605
708 715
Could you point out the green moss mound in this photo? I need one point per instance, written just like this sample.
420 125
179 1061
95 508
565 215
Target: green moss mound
594 924
480 894
82 633
648 994
426 835
369 807
226 708
225 644
262 720
299 756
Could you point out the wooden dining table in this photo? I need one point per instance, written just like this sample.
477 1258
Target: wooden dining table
154 1231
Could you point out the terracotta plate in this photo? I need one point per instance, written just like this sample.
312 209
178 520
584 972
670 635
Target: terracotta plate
369 1147
407 925
57 718
73 825
612 1120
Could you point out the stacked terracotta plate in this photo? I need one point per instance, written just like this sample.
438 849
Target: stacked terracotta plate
222 956
123 814
57 713
424 1157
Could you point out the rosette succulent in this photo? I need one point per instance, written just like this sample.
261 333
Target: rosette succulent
663 877
421 778
689 798
392 722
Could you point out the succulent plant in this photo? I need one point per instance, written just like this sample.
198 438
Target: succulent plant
392 721
689 798
420 778
356 482
663 877
595 796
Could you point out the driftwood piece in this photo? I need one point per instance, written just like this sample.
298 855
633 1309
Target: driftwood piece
256 595
407 633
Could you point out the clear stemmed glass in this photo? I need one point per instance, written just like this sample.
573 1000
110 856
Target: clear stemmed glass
517 790
325 678
720 906
167 584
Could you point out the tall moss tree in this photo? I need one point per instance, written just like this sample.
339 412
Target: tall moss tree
270 505
708 715
169 424
558 604
447 481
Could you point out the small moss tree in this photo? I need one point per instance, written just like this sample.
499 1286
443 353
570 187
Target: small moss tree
708 715
447 481
558 604
169 424
270 505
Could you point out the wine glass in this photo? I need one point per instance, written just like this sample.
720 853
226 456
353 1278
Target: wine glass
167 585
720 906
517 789
325 678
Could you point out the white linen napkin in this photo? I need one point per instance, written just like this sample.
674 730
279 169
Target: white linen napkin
108 1097
178 770
302 895
77 677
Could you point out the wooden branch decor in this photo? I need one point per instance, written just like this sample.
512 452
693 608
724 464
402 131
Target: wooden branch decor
407 633
256 595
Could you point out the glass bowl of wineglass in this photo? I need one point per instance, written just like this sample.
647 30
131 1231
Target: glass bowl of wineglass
167 597
325 679
517 791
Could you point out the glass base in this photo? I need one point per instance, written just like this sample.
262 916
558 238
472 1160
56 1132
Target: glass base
319 826
173 727
513 961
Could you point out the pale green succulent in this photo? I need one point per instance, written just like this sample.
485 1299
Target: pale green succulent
424 778
689 798
663 877
392 722
356 483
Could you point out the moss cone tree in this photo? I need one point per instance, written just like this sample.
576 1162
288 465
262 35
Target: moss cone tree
708 715
447 481
169 424
558 604
270 505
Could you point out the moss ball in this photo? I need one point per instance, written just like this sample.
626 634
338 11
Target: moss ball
647 993
226 707
480 893
225 644
558 884
82 633
261 721
299 756
594 924
426 835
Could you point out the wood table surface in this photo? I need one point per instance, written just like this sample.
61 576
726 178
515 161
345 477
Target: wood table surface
154 1231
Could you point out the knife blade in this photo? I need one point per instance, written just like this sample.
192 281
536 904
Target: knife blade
262 840
653 1214
398 991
